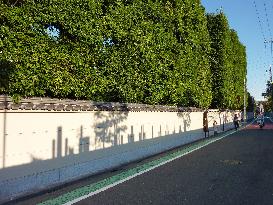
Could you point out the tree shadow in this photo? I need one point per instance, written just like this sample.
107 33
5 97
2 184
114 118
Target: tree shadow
214 115
186 116
107 125
4 108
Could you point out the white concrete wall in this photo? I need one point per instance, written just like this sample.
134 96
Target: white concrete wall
42 149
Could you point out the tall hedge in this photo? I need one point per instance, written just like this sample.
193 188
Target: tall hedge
228 64
46 66
239 71
143 51
152 52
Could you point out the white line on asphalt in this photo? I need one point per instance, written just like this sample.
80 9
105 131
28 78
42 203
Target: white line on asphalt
142 172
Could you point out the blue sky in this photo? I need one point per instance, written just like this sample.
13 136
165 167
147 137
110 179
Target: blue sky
244 18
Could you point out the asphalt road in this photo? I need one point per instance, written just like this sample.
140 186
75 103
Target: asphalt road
235 170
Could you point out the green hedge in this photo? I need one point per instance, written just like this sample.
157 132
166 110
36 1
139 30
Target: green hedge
154 52
228 64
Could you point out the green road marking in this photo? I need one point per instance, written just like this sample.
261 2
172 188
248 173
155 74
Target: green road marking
80 192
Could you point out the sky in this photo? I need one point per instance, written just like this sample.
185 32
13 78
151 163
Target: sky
253 21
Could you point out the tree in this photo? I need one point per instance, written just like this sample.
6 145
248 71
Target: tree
228 63
269 97
251 105
153 52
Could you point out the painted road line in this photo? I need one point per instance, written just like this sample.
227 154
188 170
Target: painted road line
95 188
135 175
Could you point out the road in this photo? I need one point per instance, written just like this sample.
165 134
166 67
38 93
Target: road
236 169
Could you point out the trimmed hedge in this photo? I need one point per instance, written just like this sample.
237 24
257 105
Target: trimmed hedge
228 64
153 52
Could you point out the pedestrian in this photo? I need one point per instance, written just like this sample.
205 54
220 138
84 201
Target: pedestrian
215 127
236 121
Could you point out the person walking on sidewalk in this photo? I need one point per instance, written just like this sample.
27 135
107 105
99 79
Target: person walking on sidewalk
236 121
215 127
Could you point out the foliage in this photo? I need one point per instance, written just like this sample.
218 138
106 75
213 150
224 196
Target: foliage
154 52
269 97
251 105
228 64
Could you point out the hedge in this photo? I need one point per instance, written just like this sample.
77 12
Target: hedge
153 52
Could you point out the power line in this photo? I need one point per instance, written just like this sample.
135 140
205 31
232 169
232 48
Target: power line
259 20
269 30
268 25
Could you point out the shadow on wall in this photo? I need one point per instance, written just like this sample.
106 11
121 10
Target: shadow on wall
186 116
57 144
4 131
108 132
108 129
215 116
6 70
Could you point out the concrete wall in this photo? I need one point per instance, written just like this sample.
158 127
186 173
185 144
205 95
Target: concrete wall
40 149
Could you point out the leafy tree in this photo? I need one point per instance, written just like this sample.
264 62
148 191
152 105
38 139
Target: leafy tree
155 52
251 105
228 64
269 97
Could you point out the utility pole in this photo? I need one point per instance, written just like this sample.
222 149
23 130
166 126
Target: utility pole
270 71
244 100
271 83
269 90
270 74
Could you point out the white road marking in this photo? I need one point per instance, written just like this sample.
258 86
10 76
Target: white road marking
142 172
